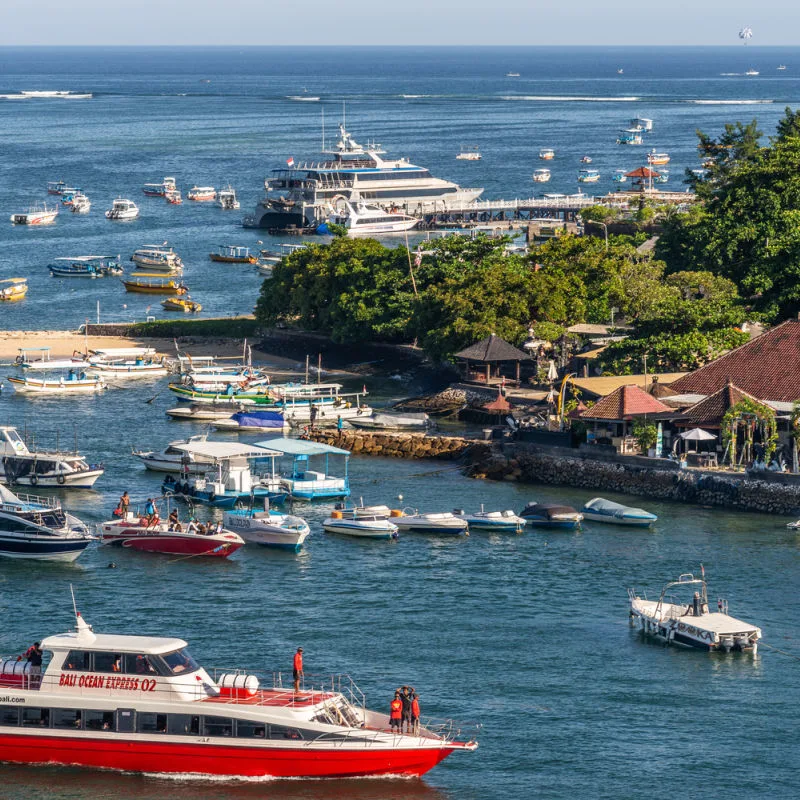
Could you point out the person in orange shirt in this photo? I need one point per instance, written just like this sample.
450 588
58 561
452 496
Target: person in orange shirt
396 713
415 713
298 668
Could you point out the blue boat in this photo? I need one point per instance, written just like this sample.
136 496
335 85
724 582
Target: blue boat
600 510
229 478
256 421
304 483
85 267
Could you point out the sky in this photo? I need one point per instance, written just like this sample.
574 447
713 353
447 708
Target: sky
409 22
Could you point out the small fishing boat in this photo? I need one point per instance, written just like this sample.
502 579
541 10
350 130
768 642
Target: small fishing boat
364 522
159 189
781 67
260 396
13 289
541 176
255 421
642 123
173 197
469 154
154 286
159 536
69 194
55 187
49 469
81 204
547 154
391 421
175 460
36 215
185 304
620 71
227 199
38 528
61 377
122 209
620 176
493 520
586 160
588 176
685 619
202 193
303 98
631 136
600 510
128 362
233 254
657 159
85 267
268 528
159 257
269 258
446 523
549 515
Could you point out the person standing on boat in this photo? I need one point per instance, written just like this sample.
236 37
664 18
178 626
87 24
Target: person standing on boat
405 699
297 668
396 713
34 656
339 424
313 415
124 503
414 712
150 512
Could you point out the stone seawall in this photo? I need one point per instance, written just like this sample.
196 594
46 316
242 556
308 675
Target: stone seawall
402 445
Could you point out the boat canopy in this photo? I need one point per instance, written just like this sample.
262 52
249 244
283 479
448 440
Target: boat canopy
301 447
259 419
84 259
122 352
222 451
56 364
602 505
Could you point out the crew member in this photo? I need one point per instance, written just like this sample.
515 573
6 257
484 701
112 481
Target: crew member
415 713
313 415
405 699
297 668
396 713
34 656
150 512
174 524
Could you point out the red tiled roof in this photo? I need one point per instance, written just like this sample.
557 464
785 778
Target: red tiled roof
642 172
709 412
499 404
767 367
623 403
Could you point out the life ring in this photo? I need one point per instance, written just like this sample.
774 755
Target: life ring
61 480
33 480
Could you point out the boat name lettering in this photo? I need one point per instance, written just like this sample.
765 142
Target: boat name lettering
11 699
120 682
690 629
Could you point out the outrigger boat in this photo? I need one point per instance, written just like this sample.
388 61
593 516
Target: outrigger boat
657 159
128 362
43 468
233 254
70 378
36 215
185 304
674 621
253 421
269 258
13 289
141 285
85 267
632 136
55 187
38 528
157 257
600 510
547 154
268 528
363 522
143 704
202 412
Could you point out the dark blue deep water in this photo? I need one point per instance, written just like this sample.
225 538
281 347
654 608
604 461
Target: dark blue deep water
526 634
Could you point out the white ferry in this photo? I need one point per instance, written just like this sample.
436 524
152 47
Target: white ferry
143 704
673 620
301 195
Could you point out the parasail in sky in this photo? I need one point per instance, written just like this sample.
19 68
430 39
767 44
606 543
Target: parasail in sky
745 34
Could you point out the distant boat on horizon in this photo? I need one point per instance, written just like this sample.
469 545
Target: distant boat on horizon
781 67
512 74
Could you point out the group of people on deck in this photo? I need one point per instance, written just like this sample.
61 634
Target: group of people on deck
152 519
404 711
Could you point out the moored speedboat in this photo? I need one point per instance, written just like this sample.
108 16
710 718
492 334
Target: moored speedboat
541 175
364 522
493 521
122 209
547 154
601 510
128 362
588 176
143 704
268 528
227 199
85 267
60 377
81 204
391 421
157 257
436 522
586 160
691 624
38 528
185 304
469 154
36 215
549 515
204 412
365 220
643 123
174 460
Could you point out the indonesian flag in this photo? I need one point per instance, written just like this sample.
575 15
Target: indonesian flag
290 162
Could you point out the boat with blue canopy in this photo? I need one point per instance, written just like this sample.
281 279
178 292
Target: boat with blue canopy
255 421
601 510
304 483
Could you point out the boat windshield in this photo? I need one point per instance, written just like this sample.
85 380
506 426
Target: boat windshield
180 661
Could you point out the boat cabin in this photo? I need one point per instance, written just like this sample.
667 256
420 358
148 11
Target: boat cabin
303 482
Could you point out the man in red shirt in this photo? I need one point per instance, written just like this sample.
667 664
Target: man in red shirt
298 668
396 714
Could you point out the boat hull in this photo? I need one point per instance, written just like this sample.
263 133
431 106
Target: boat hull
161 757
631 522
565 524
360 531
27 386
42 548
63 480
175 545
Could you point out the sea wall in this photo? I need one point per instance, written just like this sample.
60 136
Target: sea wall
402 445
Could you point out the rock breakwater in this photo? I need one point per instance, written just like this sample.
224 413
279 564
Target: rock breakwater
401 445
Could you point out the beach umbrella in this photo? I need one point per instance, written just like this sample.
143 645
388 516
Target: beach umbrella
552 372
697 435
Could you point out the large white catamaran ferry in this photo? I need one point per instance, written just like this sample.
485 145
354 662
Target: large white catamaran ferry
143 704
306 194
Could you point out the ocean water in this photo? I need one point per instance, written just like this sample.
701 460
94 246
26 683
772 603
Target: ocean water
526 634
213 116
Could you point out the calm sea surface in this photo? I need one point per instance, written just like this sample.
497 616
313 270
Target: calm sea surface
526 634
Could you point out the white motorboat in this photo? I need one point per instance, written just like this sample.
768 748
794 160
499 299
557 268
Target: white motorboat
643 123
365 522
122 209
227 199
588 176
174 460
493 520
445 522
157 257
202 412
541 175
268 528
657 159
391 421
469 154
36 215
43 468
631 136
160 189
673 620
547 154
752 72
38 528
601 510
81 204
364 220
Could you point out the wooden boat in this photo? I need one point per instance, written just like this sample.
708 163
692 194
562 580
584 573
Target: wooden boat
154 286
85 267
657 159
185 304
13 289
233 254
158 257
67 377
547 154
159 189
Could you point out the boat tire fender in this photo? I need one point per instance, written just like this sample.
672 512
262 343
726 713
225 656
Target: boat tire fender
61 480
33 480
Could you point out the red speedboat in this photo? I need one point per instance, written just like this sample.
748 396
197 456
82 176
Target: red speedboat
135 533
143 704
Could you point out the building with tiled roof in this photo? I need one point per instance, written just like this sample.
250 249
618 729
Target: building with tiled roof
708 413
625 403
767 367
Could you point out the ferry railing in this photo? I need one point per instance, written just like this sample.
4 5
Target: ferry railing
33 499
